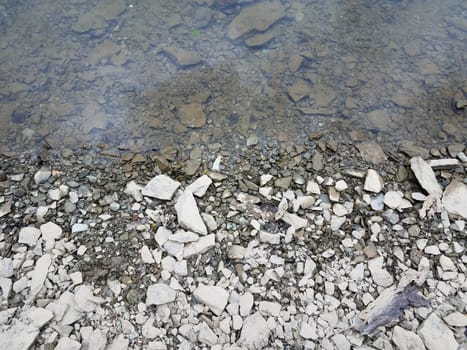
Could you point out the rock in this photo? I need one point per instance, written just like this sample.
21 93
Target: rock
406 340
294 220
317 161
29 235
425 176
260 39
373 182
101 51
206 335
39 316
42 176
454 199
99 16
269 238
258 17
295 61
162 235
456 319
134 190
298 90
5 288
255 332
380 276
5 209
269 308
146 255
66 343
84 299
214 297
192 115
50 232
436 335
119 343
371 152
183 58
93 339
161 187
188 215
448 163
200 186
182 236
159 294
393 199
79 228
6 267
341 342
18 337
38 276
246 304
308 331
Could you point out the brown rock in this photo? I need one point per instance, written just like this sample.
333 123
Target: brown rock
372 152
192 115
106 49
260 39
295 61
298 90
182 57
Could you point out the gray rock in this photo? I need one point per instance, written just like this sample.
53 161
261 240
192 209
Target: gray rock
161 187
159 294
200 186
66 343
5 209
188 215
436 335
18 337
425 176
29 235
6 267
42 175
255 332
373 182
79 228
454 199
406 340
214 297
38 275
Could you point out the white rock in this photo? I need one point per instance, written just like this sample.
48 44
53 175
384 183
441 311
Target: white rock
5 209
5 287
162 235
214 297
447 264
182 236
146 255
119 343
432 250
454 199
66 343
160 293
269 308
294 220
50 232
42 175
29 235
308 331
380 276
38 275
201 246
209 221
93 339
18 337
188 214
76 277
341 185
255 332
357 272
134 190
393 199
54 194
6 267
39 316
337 222
79 228
161 187
436 335
264 179
373 182
341 342
85 300
115 287
246 303
269 238
456 319
312 187
425 176
406 340
206 335
447 163
200 186
175 249
237 322
304 202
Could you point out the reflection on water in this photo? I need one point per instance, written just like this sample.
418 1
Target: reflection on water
151 74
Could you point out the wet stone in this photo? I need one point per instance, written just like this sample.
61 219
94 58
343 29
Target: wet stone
192 115
182 57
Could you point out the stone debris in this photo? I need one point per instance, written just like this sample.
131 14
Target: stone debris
188 215
373 182
29 236
159 294
200 186
454 199
214 297
406 340
161 187
436 335
255 332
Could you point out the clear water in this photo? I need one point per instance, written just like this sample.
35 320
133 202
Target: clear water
100 72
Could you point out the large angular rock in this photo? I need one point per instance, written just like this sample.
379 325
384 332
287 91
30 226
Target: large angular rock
214 297
255 332
188 214
258 17
38 275
159 294
436 335
425 176
455 199
29 235
406 340
18 337
161 187
373 182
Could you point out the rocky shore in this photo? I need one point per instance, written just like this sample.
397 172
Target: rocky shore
324 245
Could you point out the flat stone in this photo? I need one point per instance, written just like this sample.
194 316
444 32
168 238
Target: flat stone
214 297
373 182
162 235
255 332
406 340
134 190
5 288
298 90
79 228
341 342
183 58
159 294
260 39
454 199
66 343
456 319
206 335
192 115
42 175
269 238
182 236
39 316
294 220
18 337
93 338
85 300
425 176
146 255
5 209
200 186
393 199
447 163
372 152
188 215
38 275
6 267
380 276
161 187
446 263
246 303
29 235
269 308
308 331
258 17
98 17
436 335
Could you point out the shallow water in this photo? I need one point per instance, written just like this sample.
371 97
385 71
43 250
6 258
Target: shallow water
104 73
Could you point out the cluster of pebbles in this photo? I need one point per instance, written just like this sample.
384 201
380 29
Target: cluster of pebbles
280 246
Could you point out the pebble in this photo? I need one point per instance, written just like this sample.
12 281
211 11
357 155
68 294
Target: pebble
76 228
29 235
42 175
373 182
159 294
214 297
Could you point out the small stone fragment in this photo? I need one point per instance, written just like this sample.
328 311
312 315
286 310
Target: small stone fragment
214 297
159 294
